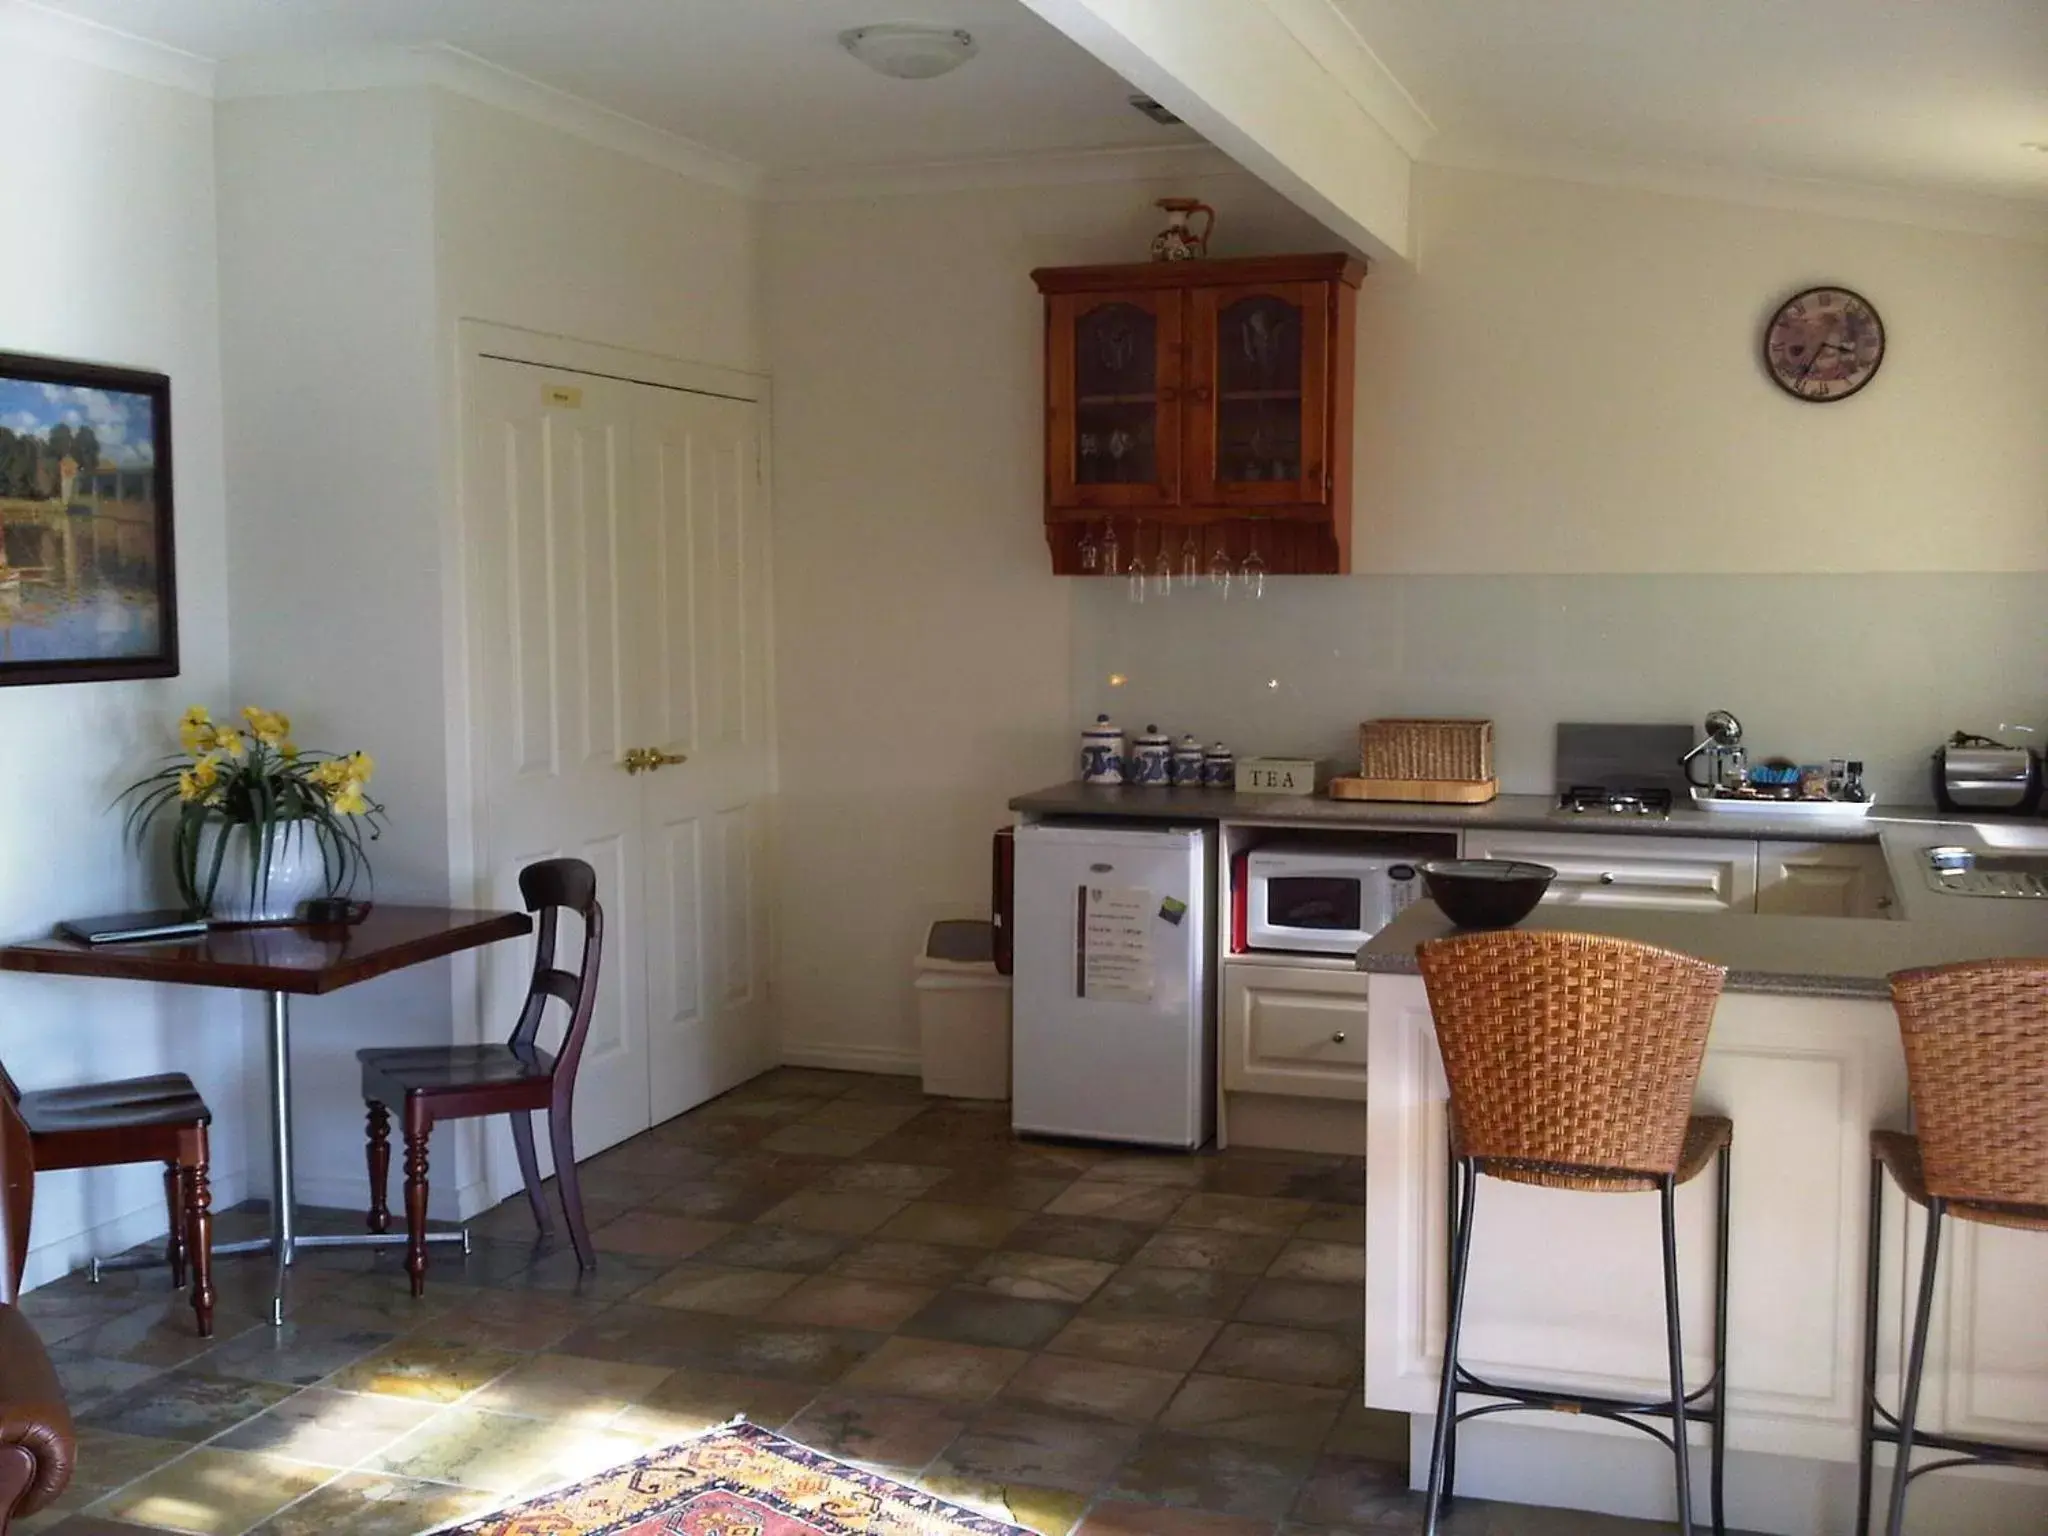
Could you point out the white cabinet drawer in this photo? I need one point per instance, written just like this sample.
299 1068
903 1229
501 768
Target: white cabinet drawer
1294 1032
1675 874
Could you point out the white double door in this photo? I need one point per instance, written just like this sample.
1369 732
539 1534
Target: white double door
619 586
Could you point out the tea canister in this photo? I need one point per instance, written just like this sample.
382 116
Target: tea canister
1152 758
1187 763
1219 767
1102 753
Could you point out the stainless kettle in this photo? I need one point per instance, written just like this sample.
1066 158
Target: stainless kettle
1975 773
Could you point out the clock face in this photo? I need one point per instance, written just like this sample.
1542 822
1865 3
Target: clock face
1824 344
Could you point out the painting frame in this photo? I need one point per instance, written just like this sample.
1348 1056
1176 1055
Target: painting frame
148 479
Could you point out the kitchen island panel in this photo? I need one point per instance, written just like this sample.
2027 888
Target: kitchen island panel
1566 1286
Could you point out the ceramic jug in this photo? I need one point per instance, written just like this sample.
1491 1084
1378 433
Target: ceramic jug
1219 768
1187 764
1177 242
1102 753
1152 758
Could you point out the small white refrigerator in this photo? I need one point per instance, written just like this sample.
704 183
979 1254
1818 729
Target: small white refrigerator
1113 1037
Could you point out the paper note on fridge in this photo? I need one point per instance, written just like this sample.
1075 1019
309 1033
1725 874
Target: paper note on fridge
1116 943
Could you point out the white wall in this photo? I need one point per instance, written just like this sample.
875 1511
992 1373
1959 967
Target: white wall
552 234
358 229
921 641
1569 382
110 258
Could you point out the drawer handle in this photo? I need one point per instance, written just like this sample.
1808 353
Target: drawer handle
1607 877
1337 1038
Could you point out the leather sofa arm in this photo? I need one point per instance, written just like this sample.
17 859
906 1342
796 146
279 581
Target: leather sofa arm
38 1445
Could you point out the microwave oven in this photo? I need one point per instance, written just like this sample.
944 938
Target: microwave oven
1323 899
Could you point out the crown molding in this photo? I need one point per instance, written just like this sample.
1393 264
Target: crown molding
1337 48
1957 212
1178 162
26 25
464 74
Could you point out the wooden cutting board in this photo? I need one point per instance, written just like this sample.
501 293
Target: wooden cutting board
1425 791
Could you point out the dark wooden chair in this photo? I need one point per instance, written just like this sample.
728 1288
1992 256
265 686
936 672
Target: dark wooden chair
137 1120
38 1444
433 1083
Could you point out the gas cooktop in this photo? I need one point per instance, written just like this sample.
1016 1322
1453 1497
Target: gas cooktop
1595 800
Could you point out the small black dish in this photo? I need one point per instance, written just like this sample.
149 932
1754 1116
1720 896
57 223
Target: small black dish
1486 893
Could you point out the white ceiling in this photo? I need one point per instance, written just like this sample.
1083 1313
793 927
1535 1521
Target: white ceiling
764 81
1926 94
1930 95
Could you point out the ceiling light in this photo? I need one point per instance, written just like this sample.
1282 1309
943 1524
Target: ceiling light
2038 146
908 51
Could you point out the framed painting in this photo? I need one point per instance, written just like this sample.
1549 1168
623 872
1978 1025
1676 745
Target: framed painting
88 592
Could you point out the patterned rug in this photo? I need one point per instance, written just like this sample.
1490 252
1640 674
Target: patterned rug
736 1481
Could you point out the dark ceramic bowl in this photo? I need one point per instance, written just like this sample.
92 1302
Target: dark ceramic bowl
1486 893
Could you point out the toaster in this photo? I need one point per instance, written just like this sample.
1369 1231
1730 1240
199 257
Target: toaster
1975 773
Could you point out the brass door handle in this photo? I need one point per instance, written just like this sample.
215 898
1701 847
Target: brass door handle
648 759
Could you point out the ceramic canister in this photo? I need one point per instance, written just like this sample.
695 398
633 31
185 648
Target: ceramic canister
1219 767
1152 759
1102 753
1187 763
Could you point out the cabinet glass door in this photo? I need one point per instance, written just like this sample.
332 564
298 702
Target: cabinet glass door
1259 395
1113 400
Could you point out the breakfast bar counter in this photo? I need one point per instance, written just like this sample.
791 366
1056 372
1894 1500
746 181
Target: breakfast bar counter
1804 1057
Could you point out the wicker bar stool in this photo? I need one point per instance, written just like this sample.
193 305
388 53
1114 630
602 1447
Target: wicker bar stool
1571 1061
1976 1038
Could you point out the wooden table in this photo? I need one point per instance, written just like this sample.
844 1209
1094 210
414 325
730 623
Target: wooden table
283 962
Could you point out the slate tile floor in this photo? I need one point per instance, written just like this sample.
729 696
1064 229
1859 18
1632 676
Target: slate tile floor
1075 1338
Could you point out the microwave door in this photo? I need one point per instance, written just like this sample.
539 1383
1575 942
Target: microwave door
1308 908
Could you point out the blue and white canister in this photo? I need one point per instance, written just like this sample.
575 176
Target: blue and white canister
1186 771
1219 768
1102 753
1152 758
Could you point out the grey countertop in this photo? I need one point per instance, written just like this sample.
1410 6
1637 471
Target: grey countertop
1506 813
1813 956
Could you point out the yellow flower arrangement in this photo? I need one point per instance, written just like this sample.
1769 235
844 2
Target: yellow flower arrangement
253 774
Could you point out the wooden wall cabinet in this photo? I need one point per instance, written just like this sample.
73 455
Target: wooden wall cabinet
1200 407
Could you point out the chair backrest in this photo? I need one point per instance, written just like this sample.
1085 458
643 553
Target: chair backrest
17 1192
1976 1039
1570 1049
549 888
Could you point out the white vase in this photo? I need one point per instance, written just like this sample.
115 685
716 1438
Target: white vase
297 873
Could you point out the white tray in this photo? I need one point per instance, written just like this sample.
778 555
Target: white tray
1824 810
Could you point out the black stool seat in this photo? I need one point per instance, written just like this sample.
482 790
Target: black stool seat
168 1099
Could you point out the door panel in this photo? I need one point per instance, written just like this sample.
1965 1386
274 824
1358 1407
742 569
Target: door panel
1258 396
1113 400
551 497
707 979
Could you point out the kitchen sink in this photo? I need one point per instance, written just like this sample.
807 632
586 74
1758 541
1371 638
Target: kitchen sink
1988 872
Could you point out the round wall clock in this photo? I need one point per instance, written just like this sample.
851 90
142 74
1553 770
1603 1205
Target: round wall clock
1824 344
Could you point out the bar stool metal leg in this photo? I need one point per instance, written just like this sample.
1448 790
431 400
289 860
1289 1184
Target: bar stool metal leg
1718 1426
1895 1522
1866 1450
1447 1387
1667 1202
1452 1209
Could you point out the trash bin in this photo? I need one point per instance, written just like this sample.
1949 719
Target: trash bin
963 1012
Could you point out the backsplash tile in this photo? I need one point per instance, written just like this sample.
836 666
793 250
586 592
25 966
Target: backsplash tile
1880 667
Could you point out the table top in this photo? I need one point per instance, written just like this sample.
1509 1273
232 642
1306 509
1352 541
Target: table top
304 959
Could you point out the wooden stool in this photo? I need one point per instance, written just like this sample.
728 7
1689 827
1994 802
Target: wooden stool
1976 1038
136 1120
1571 1061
